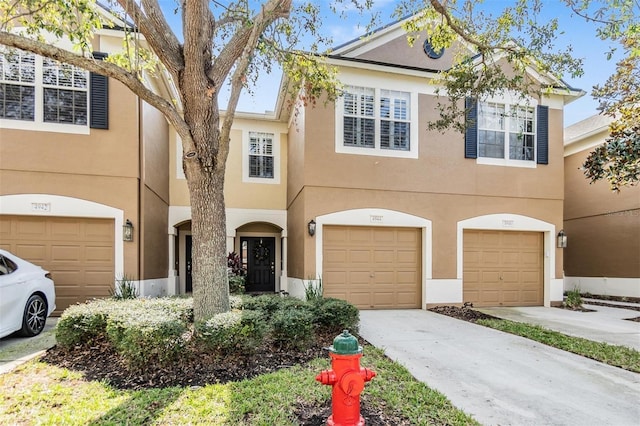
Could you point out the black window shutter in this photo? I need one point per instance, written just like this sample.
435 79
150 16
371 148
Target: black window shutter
543 135
471 134
99 98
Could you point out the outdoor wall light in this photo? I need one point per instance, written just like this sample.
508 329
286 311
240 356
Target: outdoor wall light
311 227
562 239
127 231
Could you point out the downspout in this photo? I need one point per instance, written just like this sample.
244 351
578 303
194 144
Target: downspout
141 180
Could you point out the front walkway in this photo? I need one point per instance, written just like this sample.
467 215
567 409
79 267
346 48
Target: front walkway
604 324
502 379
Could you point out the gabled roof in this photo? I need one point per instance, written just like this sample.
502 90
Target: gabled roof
387 47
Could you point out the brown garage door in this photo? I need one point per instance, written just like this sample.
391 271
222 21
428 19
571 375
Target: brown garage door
373 267
503 268
78 252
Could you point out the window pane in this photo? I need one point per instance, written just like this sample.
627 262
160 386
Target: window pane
359 132
261 155
520 147
17 102
394 135
491 144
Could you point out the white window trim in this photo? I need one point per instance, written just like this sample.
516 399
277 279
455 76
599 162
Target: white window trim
276 157
39 125
377 150
510 99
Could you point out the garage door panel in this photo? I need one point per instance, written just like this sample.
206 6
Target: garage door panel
510 270
98 254
66 230
79 252
360 256
336 255
384 236
35 253
410 257
384 256
66 254
380 262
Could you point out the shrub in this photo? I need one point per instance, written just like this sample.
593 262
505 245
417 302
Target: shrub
292 327
293 303
83 323
267 303
125 289
236 284
573 300
335 315
233 331
312 292
236 302
147 335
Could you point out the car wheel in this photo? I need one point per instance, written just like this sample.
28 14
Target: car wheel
34 317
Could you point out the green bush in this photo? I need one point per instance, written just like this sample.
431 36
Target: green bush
236 302
144 336
236 284
292 327
267 303
293 303
241 331
83 323
335 315
573 299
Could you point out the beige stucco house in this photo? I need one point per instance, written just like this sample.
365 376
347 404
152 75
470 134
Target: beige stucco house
403 217
602 227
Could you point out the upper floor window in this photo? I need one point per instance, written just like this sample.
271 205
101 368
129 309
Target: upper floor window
506 131
39 93
375 122
260 155
502 133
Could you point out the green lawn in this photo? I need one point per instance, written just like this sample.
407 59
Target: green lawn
618 356
38 393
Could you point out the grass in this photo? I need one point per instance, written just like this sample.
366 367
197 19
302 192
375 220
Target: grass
617 356
39 393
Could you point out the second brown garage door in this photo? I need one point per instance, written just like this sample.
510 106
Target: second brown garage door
79 253
373 267
503 268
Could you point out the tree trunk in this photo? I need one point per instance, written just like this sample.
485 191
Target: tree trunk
209 234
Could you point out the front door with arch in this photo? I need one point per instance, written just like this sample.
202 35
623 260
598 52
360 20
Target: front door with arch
259 256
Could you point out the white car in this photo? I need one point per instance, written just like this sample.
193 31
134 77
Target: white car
27 296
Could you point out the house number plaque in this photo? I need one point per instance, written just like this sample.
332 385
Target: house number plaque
376 218
40 207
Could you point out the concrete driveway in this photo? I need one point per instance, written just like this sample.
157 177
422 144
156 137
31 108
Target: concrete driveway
15 350
502 379
603 324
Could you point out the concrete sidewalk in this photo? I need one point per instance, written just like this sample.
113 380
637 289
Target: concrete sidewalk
502 379
604 324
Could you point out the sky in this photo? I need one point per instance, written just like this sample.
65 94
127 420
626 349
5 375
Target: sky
578 33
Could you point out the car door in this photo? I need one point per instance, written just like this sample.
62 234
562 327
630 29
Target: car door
11 295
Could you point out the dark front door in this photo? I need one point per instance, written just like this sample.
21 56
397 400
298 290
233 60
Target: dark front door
261 263
187 252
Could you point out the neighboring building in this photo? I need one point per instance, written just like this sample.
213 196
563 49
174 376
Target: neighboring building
602 227
404 217
79 156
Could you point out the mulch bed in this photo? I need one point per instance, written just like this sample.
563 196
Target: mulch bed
463 313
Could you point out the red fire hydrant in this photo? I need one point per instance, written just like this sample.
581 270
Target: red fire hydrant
347 378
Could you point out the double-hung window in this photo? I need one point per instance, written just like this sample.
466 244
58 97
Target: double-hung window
38 93
506 131
508 134
374 122
261 155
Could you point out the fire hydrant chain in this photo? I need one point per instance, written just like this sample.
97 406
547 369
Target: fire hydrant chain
347 379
